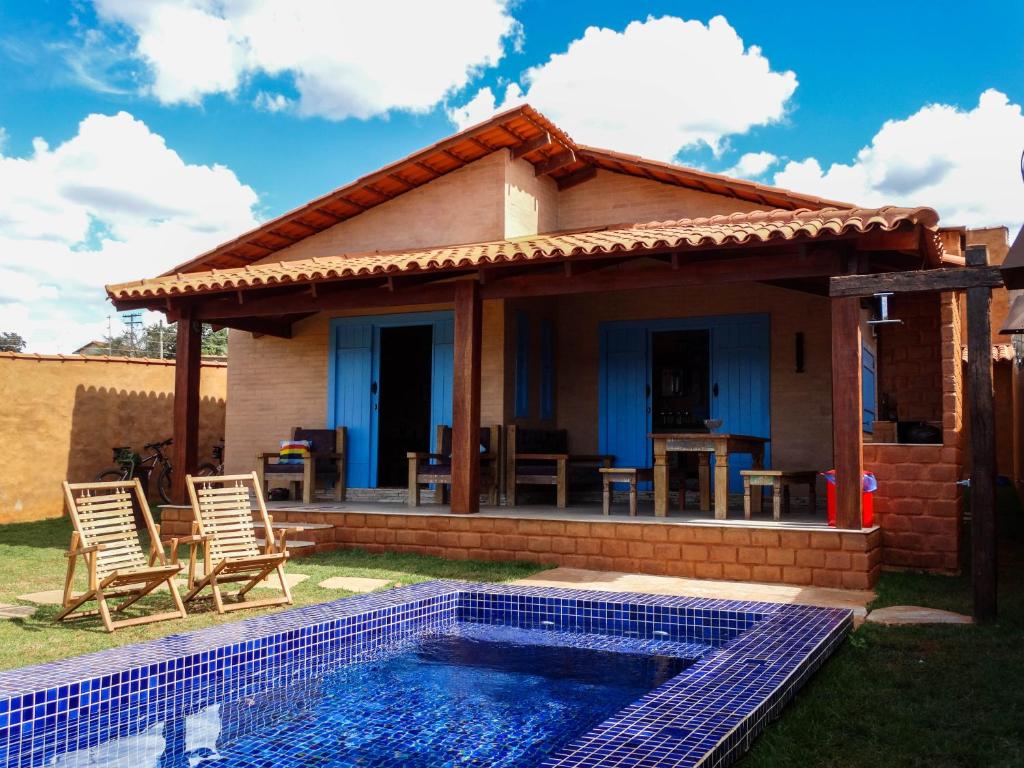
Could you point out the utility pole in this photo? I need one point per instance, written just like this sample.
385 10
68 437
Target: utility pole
133 320
110 338
160 339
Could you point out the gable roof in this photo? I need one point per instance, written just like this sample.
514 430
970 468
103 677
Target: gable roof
715 232
522 130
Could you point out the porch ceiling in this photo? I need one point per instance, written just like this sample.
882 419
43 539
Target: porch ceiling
904 230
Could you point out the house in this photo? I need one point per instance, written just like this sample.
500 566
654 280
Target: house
509 275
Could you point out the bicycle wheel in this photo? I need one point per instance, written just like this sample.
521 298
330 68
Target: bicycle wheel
207 470
111 475
163 485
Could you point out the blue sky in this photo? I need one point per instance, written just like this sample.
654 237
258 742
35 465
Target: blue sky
170 126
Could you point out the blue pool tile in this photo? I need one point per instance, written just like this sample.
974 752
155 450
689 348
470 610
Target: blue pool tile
749 658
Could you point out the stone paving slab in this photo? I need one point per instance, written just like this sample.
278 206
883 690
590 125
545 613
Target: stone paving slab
611 581
272 582
909 615
8 611
48 597
353 583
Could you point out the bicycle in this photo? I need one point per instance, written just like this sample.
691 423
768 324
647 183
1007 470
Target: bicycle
209 470
129 464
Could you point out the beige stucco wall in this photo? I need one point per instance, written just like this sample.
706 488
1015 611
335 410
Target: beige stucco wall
531 202
801 404
61 417
614 198
465 206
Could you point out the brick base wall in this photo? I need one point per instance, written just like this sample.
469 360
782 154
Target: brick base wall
822 558
917 504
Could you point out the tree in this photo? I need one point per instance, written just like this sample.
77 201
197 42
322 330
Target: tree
11 342
160 340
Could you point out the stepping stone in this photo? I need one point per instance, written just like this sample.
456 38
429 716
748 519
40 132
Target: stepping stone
353 583
905 615
8 611
272 582
49 597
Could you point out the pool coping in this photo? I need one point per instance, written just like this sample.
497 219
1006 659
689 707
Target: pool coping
705 716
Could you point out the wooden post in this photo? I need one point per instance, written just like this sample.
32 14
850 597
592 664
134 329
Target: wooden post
847 437
466 400
185 450
983 443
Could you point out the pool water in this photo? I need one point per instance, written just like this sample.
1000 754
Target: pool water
449 700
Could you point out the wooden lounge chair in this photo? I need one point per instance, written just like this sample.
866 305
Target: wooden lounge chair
231 552
106 536
325 463
436 468
541 457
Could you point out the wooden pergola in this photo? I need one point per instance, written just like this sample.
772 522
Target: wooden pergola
978 279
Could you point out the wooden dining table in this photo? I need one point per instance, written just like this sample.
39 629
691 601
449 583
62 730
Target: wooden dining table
706 444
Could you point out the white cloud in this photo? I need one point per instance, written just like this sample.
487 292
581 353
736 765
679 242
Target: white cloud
345 59
752 164
963 163
272 102
656 87
112 203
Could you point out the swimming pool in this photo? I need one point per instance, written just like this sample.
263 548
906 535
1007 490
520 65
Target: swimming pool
441 673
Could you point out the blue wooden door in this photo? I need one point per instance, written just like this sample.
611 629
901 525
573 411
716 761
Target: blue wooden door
441 377
869 406
353 405
624 420
740 394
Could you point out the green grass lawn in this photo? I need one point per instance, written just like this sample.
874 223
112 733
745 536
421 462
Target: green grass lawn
925 696
917 696
32 560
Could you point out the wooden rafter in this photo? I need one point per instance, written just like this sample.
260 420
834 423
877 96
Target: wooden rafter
553 163
532 145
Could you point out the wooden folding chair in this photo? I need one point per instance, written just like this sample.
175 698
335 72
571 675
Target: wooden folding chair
105 534
231 552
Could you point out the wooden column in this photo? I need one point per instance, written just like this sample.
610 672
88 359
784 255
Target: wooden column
466 400
983 443
847 415
185 450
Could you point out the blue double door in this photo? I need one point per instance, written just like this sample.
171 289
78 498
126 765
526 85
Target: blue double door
738 386
354 384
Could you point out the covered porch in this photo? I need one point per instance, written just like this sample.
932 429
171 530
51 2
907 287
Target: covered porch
591 305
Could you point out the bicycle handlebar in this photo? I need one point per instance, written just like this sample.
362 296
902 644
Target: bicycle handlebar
160 444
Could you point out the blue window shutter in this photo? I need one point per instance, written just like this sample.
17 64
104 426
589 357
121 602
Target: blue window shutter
522 365
869 406
547 370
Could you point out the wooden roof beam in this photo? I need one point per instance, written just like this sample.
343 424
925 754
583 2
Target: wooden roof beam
576 177
532 145
553 163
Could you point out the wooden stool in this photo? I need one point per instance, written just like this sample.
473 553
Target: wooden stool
631 475
779 481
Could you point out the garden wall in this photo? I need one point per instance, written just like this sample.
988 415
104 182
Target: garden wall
60 415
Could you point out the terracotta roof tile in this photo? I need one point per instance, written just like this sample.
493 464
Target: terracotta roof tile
1001 353
733 230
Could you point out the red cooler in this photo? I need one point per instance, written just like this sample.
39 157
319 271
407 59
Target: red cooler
870 485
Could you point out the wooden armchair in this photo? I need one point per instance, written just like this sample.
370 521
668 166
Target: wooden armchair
325 463
106 537
436 468
541 457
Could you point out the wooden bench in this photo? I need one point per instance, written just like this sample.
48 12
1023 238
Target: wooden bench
779 481
630 475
